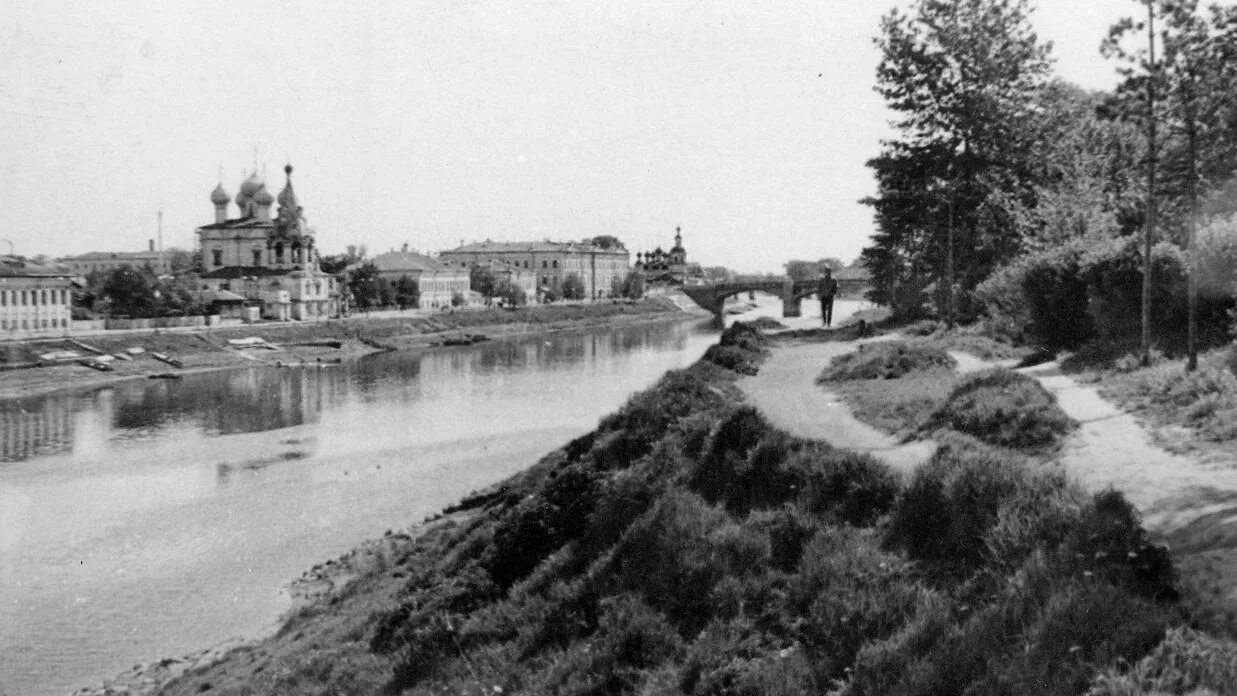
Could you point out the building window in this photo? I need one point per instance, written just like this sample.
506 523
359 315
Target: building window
543 263
217 256
279 253
556 264
257 257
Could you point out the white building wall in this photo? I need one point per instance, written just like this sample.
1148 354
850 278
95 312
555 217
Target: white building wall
35 307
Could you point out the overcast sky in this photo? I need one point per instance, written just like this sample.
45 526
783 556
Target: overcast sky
748 124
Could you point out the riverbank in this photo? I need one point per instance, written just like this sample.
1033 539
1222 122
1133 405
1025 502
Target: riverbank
309 344
688 545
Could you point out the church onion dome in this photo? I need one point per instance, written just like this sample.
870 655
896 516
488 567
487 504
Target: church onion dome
287 198
263 197
251 185
219 196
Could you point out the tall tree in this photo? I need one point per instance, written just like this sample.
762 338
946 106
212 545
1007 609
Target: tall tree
963 76
1187 93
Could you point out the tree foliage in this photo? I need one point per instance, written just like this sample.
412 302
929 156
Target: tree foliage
573 287
407 293
369 289
630 286
481 280
511 294
964 78
138 293
606 241
810 270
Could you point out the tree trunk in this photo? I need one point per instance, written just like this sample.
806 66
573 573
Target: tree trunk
1149 225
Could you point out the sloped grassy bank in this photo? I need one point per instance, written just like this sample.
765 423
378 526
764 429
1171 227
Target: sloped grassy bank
687 546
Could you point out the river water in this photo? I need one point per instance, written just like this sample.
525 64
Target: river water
152 519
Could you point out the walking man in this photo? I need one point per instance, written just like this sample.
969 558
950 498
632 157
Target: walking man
827 288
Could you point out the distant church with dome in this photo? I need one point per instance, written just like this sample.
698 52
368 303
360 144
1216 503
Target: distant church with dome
271 262
662 267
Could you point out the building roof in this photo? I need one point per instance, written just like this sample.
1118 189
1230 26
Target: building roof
229 272
114 255
526 247
18 267
244 223
226 296
395 261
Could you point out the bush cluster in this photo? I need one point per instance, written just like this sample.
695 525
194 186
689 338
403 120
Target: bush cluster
740 349
1088 290
688 546
885 360
1004 408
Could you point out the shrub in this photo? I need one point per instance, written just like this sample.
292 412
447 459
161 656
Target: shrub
766 324
744 463
923 327
541 524
973 505
855 487
789 529
677 552
1186 661
1060 647
646 416
1109 542
1086 289
885 360
733 358
745 336
734 658
1004 408
850 592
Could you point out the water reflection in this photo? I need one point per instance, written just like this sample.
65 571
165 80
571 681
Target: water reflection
264 398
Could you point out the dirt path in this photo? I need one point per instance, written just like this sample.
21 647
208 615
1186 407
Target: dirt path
785 390
1189 503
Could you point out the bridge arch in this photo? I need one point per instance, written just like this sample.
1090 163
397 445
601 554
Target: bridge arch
713 296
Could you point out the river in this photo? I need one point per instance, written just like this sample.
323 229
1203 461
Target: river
152 519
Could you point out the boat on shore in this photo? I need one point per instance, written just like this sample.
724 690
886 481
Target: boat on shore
464 339
165 358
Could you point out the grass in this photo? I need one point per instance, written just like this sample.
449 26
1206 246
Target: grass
1005 408
1187 661
885 360
898 406
688 546
1204 401
767 324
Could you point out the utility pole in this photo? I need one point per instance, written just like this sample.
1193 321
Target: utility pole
950 236
159 235
1149 226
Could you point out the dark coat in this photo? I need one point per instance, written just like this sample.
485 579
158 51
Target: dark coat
828 287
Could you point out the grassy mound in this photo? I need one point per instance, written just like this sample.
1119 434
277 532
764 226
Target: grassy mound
688 547
1004 408
1204 400
1186 662
885 360
741 348
767 324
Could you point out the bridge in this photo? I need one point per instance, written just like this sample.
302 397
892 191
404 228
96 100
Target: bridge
713 296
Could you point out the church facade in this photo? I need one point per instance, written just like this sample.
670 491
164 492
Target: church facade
665 267
271 261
